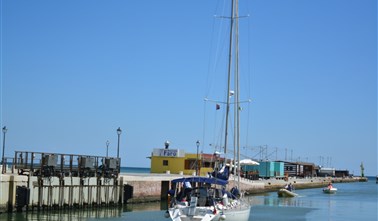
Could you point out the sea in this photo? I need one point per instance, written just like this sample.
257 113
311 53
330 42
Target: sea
353 201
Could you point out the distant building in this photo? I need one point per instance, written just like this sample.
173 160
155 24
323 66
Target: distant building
299 169
309 169
178 162
342 173
266 169
326 171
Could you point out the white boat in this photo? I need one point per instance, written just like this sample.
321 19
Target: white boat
286 193
208 199
329 190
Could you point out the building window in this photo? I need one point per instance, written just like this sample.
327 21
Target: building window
208 164
190 164
165 162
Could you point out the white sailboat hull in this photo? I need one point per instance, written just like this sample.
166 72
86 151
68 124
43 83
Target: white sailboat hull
206 214
241 214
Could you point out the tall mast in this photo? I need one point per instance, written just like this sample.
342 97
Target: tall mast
237 91
235 18
234 48
229 76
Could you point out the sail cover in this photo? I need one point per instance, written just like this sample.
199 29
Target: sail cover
198 179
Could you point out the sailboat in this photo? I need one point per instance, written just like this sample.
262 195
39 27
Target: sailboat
208 198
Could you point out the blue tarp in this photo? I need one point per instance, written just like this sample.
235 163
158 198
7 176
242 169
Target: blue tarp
223 174
198 179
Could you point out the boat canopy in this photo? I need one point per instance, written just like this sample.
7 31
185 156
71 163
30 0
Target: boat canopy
197 179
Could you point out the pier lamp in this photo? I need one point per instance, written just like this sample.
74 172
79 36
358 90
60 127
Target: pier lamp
4 132
197 143
119 131
166 144
107 147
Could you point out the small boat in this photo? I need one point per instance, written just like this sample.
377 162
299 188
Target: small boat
286 193
329 190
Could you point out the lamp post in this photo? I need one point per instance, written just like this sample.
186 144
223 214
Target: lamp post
166 144
119 131
197 143
4 132
107 147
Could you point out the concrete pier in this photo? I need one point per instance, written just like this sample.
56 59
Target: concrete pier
28 192
148 187
38 180
76 192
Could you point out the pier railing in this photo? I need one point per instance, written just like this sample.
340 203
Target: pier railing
63 165
56 180
6 162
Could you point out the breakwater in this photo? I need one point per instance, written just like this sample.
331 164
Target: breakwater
20 192
29 192
154 187
39 180
303 183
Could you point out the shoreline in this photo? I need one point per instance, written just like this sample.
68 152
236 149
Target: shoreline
128 188
306 183
153 192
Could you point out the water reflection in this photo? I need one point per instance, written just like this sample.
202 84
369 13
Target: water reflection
271 199
82 214
152 206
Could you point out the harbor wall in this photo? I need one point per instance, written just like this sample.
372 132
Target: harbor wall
145 191
18 192
76 192
274 184
8 186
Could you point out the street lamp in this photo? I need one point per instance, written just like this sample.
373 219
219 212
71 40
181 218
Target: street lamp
119 131
107 147
4 132
197 143
166 144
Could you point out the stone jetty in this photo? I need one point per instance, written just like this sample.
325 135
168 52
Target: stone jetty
147 187
128 188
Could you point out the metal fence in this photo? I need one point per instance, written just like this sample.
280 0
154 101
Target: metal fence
62 165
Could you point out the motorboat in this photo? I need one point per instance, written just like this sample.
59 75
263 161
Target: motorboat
329 190
286 193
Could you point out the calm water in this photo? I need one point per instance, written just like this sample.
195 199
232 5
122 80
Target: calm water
135 170
353 201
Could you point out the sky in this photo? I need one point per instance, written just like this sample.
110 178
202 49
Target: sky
72 72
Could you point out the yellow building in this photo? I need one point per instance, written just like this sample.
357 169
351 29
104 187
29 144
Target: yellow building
176 161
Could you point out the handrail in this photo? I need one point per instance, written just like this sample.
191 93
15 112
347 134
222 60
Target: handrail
58 164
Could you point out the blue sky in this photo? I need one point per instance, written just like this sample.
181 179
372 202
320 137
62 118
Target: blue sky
72 72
